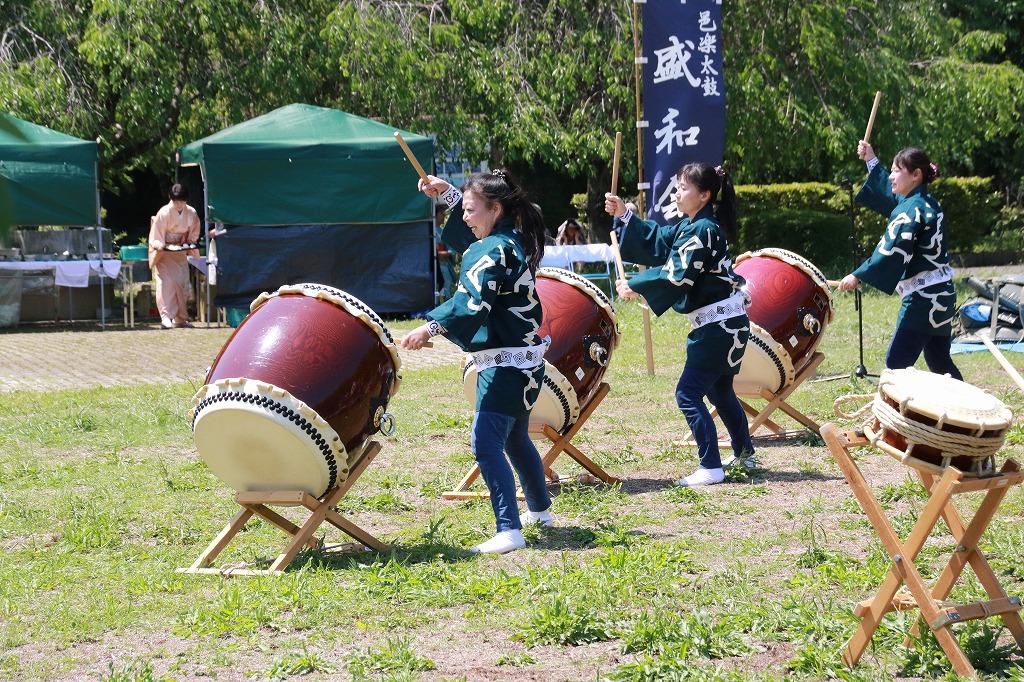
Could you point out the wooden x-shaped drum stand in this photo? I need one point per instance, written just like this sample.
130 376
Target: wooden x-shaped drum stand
560 442
321 510
935 612
774 401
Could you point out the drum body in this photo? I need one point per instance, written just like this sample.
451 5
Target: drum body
296 391
790 306
931 421
584 330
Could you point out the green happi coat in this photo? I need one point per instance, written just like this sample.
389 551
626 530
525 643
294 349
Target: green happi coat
691 269
913 244
494 306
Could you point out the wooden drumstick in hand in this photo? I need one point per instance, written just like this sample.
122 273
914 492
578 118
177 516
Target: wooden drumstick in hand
412 157
615 164
871 120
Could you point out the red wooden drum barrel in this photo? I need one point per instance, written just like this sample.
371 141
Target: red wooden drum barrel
790 306
296 392
584 330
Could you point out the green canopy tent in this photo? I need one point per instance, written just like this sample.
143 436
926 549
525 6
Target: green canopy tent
306 193
46 177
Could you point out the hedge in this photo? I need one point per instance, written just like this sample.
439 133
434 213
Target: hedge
814 218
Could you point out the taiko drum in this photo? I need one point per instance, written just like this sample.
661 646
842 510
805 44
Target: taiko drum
296 391
790 307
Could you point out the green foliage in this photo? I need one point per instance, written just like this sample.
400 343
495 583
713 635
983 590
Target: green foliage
299 663
564 621
971 210
536 85
395 658
136 671
822 238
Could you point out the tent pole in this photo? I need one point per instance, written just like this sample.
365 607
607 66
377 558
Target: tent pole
99 248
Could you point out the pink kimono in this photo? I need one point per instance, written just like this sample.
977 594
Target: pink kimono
170 268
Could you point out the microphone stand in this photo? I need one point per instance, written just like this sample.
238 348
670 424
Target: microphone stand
861 370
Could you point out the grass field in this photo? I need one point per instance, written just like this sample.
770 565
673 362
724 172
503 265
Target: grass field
102 497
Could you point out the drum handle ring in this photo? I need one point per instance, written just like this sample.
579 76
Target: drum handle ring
599 354
386 423
811 324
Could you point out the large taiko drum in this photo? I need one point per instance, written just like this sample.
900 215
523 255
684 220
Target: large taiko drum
790 306
297 390
932 421
583 328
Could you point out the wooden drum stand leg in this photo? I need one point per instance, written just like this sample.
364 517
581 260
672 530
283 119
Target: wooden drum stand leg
321 510
937 614
560 442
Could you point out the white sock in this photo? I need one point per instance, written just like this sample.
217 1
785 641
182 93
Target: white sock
503 542
542 518
702 476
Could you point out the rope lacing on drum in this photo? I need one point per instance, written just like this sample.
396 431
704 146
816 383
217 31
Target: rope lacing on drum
916 433
949 443
852 398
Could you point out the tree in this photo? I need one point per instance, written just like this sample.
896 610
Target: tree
804 77
535 84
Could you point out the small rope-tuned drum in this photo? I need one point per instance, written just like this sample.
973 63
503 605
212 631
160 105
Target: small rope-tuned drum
932 421
790 306
584 330
296 391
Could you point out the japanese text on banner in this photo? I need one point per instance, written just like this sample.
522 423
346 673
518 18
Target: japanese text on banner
683 94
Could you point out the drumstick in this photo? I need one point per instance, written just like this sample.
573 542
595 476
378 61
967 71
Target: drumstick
618 256
411 157
615 165
998 354
871 120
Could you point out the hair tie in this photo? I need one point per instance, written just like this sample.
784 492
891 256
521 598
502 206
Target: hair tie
935 171
719 171
500 173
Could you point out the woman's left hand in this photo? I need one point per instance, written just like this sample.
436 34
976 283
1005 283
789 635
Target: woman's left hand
624 291
849 283
416 339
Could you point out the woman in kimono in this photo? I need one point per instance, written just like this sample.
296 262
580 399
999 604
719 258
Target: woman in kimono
910 259
175 224
691 272
495 314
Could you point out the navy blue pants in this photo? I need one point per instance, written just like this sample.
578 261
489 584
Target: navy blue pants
494 435
693 385
906 348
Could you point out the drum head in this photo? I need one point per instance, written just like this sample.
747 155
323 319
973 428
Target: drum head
257 437
936 397
557 405
766 365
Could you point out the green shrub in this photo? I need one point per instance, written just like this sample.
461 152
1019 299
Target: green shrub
971 209
822 238
974 218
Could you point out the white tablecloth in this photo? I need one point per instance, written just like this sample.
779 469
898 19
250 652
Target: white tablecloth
565 256
67 273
